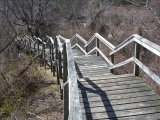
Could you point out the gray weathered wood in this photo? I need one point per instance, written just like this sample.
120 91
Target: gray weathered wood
137 54
97 45
66 87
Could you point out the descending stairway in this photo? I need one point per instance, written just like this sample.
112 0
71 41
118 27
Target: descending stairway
107 96
88 86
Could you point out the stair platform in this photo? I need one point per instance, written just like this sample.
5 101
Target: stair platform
104 95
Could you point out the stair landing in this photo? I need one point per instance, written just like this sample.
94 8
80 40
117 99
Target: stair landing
113 97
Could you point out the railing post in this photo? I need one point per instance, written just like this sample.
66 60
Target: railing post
52 55
77 43
86 49
25 42
60 64
112 60
57 60
137 53
50 49
44 59
97 45
38 46
65 90
34 48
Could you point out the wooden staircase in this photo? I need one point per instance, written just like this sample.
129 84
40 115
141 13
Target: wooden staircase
114 97
90 90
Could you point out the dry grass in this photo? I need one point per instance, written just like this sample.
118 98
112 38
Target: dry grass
34 95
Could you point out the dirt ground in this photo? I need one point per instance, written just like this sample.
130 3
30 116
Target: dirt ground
33 96
45 103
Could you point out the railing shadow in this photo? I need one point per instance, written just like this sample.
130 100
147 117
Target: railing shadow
96 90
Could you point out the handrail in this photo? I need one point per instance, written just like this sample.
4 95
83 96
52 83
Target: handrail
103 40
74 103
61 37
154 48
50 38
101 53
72 109
38 39
141 65
79 37
79 48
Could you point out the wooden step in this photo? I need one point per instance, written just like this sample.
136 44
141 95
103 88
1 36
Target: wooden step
86 104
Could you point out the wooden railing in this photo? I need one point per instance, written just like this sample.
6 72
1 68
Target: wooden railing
61 60
66 76
138 40
59 52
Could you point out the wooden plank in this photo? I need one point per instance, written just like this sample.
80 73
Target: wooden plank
118 97
85 104
110 82
124 113
113 86
94 93
152 116
106 78
125 92
122 107
103 81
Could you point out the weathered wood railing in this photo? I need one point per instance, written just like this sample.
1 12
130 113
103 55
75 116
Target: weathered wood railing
61 60
139 41
68 80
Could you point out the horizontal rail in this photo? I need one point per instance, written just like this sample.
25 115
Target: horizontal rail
79 37
154 48
50 38
141 65
76 45
101 53
38 39
103 40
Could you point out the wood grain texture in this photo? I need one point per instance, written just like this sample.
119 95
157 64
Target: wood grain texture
113 97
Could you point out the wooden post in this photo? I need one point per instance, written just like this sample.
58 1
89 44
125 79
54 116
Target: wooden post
137 53
50 49
86 49
34 48
97 45
43 52
112 60
66 91
60 64
52 55
77 43
25 43
56 59
38 46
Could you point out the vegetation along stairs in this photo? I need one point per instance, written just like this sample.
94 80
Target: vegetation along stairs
88 86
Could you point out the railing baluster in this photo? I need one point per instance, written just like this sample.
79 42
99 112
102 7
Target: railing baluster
57 60
52 55
65 74
112 60
97 45
50 49
137 53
